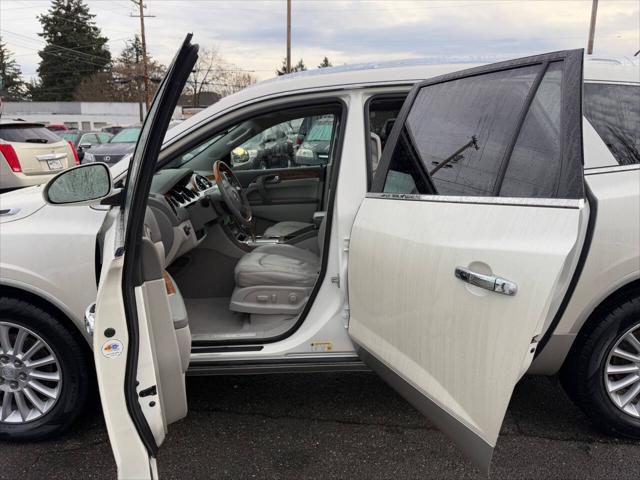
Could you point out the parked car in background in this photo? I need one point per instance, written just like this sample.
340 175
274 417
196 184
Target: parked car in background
315 144
30 154
57 127
271 148
83 140
118 146
450 287
112 129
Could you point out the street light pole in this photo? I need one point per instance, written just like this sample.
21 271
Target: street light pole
592 26
288 36
143 39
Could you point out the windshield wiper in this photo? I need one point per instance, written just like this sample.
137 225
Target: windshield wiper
36 140
456 155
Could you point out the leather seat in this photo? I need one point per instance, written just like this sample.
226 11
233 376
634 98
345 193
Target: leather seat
278 264
276 279
284 229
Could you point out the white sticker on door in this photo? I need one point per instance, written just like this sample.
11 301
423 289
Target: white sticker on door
112 348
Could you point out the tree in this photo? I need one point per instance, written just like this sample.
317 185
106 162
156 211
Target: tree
325 63
207 70
74 50
11 85
213 74
298 67
234 81
124 81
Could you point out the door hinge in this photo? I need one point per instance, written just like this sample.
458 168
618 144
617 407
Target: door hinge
345 246
336 280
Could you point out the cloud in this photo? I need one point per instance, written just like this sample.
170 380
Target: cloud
251 34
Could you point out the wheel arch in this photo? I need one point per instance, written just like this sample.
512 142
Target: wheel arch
57 311
626 291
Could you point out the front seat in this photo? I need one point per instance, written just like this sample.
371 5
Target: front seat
285 229
276 279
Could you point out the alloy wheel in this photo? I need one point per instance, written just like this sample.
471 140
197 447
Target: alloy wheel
622 372
30 375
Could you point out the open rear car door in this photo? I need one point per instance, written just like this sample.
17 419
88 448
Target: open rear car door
137 349
462 256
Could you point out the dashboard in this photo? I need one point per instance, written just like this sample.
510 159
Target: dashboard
181 205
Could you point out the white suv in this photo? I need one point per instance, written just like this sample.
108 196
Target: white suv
463 230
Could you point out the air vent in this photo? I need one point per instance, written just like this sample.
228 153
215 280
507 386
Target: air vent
203 182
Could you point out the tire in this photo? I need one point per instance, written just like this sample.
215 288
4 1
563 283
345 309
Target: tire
71 363
584 375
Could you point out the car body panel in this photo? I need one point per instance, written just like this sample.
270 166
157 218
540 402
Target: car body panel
330 310
613 260
462 347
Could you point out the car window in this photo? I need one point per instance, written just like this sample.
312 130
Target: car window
614 112
128 135
27 134
103 137
459 138
534 166
382 113
70 136
446 117
89 138
285 139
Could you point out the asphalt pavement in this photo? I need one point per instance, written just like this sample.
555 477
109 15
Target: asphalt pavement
342 425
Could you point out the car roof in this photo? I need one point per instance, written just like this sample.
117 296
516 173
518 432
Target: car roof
605 69
18 121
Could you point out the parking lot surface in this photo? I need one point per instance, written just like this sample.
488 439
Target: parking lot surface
335 426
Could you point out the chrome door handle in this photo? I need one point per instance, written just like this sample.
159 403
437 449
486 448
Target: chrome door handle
488 282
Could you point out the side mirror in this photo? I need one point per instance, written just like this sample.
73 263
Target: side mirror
84 146
85 184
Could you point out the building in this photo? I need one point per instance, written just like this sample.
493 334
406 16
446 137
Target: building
78 115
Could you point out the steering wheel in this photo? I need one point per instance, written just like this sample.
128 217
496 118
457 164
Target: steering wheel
233 194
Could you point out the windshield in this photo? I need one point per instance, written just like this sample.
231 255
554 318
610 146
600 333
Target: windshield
128 135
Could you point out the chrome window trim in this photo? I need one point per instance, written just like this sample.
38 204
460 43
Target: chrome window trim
507 201
611 169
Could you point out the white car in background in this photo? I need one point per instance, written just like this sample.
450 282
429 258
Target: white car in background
494 231
31 155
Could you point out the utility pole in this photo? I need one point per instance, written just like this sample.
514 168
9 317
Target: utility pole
143 39
592 26
288 36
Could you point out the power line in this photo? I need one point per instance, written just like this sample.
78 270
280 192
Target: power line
53 46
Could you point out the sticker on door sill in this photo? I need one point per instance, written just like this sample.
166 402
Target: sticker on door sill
321 347
112 348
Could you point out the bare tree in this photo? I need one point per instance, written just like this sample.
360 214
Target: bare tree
206 71
234 81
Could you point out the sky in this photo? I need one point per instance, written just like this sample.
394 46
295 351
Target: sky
252 33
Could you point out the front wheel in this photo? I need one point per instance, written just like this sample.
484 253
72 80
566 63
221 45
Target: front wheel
44 373
602 375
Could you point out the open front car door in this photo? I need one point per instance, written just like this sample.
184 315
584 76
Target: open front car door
462 256
137 349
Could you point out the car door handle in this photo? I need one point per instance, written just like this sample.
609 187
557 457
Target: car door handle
488 282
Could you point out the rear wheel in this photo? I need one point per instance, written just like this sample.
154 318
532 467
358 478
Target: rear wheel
602 375
44 373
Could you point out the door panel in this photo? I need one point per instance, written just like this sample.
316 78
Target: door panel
457 350
136 347
278 195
